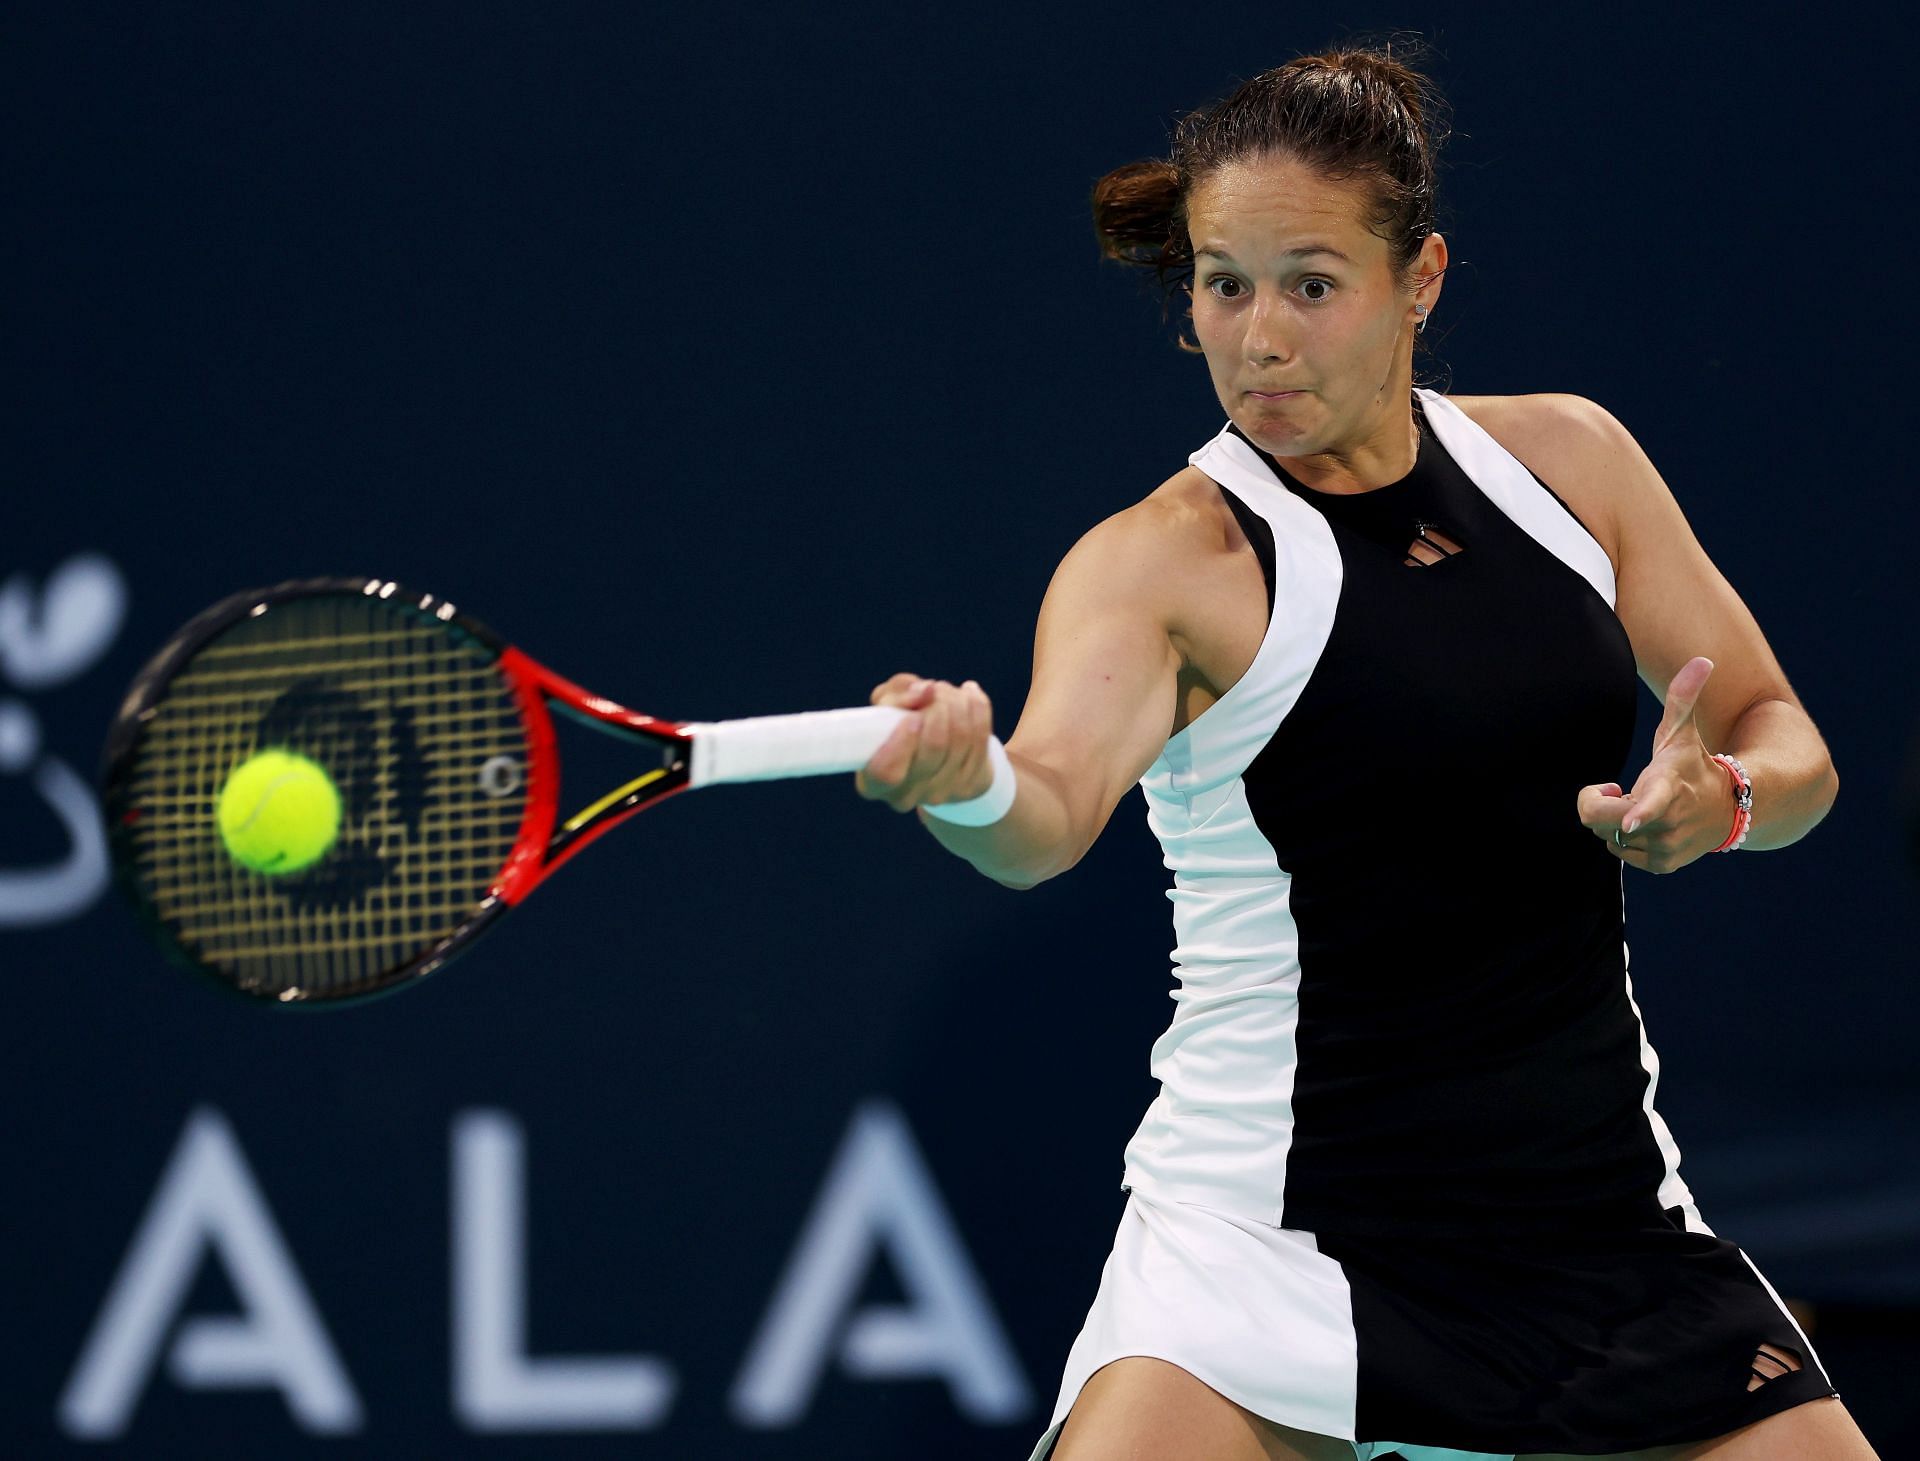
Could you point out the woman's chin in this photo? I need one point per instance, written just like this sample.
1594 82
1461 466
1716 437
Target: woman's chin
1273 434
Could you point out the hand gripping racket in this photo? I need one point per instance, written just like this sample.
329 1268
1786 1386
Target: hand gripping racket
437 735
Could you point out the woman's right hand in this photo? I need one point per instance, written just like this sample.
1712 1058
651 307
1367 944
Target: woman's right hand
938 753
1105 693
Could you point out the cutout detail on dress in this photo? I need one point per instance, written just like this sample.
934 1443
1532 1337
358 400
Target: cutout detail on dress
1771 1363
1429 545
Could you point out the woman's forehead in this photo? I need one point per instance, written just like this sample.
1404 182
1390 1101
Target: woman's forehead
1269 199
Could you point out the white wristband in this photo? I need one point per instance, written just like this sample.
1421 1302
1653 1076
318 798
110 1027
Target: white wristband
991 805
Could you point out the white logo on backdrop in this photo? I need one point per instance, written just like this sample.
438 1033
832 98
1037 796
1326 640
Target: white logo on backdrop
208 1201
497 1385
47 639
879 1194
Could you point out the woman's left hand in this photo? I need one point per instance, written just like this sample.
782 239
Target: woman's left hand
1681 806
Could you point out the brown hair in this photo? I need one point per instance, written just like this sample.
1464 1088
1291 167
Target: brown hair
1358 112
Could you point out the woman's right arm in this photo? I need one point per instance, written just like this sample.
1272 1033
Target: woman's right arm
1105 680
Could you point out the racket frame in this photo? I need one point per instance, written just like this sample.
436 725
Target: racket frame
539 847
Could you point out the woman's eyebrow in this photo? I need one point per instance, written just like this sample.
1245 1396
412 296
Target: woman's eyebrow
1301 252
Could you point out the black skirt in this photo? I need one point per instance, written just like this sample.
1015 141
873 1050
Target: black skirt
1585 1342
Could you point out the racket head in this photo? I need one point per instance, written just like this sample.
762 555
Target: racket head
443 759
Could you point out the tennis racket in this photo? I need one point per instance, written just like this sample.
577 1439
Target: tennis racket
438 736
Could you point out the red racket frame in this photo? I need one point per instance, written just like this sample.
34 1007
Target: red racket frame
542 843
538 850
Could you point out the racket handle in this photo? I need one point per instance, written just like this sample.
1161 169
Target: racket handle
771 747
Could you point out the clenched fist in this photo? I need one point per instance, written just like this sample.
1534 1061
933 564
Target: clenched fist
938 753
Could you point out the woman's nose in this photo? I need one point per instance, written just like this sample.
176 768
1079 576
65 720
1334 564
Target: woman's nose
1266 337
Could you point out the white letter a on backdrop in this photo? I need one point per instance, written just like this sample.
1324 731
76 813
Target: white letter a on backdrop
208 1199
880 1194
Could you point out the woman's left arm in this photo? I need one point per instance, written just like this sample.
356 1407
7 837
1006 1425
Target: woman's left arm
1699 649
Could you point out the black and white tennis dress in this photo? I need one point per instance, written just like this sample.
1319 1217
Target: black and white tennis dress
1404 1183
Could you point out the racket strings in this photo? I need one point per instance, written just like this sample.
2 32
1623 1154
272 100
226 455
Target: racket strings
419 732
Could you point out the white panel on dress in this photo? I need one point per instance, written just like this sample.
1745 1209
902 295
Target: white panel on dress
1220 1129
1259 1312
1505 481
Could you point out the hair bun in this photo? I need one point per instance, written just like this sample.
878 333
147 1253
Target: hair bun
1133 208
1381 68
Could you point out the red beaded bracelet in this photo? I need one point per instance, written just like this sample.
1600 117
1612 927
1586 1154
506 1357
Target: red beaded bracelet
1742 802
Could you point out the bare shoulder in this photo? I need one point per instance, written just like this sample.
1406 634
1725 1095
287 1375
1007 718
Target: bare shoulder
1191 504
1550 422
1183 524
1208 548
1179 555
1217 614
1572 444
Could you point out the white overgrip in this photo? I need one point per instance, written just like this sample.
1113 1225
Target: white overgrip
772 747
821 743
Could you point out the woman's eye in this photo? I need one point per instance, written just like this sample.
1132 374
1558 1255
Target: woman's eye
1323 288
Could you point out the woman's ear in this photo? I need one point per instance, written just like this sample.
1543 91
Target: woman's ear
1430 269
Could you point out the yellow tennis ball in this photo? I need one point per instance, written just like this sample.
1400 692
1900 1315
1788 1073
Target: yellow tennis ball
278 813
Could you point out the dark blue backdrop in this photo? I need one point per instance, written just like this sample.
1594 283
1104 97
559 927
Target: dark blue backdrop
729 360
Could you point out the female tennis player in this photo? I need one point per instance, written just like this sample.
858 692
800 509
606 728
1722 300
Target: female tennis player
1371 656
